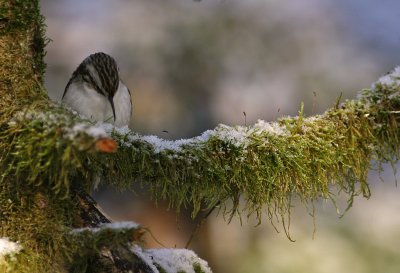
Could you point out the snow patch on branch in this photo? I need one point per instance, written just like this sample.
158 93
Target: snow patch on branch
160 144
93 131
271 127
8 247
115 226
389 83
390 79
239 136
171 260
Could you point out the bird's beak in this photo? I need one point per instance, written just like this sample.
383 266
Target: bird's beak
112 105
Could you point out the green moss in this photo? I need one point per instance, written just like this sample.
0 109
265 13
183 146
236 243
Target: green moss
22 43
197 268
87 244
26 261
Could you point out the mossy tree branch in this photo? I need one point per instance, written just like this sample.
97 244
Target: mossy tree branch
266 164
48 153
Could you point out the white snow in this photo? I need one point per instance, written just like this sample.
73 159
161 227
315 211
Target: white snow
8 247
162 144
121 225
159 144
144 257
392 78
96 132
115 225
171 260
271 127
93 131
238 136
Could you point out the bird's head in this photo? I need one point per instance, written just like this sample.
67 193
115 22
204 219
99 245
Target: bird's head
100 72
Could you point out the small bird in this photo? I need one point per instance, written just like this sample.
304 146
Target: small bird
96 91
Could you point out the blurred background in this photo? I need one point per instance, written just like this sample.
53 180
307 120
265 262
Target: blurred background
191 65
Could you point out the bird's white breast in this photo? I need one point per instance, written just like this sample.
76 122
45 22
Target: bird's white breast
123 106
86 101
